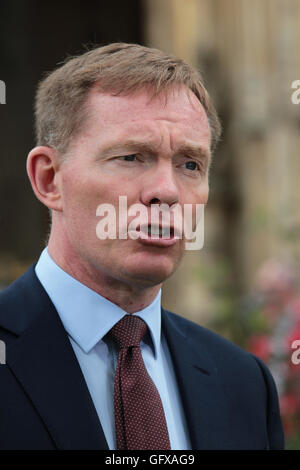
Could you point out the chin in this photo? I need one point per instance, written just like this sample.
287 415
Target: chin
150 275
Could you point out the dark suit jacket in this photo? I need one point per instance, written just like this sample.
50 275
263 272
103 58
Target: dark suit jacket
228 395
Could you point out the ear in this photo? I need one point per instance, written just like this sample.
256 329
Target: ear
43 171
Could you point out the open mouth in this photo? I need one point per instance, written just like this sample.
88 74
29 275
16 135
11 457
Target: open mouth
156 235
157 231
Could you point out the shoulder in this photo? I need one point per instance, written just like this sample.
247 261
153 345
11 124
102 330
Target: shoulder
22 301
228 358
198 333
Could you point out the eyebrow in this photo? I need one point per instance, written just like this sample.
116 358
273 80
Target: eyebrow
130 145
193 151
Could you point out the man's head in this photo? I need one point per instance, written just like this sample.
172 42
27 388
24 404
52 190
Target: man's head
119 68
121 120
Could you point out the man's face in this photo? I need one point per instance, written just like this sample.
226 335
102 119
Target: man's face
149 150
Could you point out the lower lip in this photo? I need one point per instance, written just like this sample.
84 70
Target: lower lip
146 239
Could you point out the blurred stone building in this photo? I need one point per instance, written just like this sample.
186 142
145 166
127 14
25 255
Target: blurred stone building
248 55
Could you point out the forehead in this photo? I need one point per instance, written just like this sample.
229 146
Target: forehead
176 111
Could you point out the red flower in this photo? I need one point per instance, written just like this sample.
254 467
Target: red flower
260 345
289 408
289 404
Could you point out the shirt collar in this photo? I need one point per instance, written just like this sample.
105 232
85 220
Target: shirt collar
85 314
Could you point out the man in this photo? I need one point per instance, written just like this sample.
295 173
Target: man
122 121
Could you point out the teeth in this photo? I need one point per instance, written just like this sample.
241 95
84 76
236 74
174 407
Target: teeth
154 231
158 231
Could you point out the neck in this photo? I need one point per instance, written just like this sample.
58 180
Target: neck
130 297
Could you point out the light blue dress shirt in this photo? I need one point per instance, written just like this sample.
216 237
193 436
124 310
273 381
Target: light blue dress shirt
87 317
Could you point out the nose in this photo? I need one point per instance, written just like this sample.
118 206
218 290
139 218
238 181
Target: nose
160 187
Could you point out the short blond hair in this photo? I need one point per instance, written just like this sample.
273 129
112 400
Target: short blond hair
117 68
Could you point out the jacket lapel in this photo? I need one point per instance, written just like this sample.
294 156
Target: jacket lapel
202 395
44 363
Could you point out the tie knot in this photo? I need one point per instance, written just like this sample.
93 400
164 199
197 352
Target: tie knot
128 332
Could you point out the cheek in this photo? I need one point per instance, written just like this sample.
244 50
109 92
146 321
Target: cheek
78 207
78 189
194 205
196 194
204 194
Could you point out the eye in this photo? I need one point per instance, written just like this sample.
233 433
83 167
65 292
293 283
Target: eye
129 158
191 166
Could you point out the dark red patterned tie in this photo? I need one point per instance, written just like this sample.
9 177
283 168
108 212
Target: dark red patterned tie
139 415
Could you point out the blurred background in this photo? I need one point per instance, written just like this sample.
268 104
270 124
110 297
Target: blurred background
244 283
